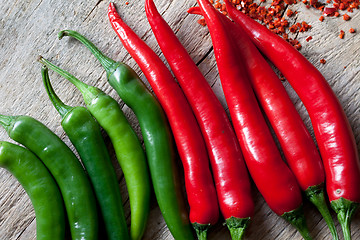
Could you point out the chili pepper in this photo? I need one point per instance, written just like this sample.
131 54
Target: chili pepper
187 134
224 150
66 169
271 175
85 134
331 127
128 149
158 139
39 185
298 146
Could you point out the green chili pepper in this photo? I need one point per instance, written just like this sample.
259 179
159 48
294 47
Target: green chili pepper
66 169
85 134
157 136
39 185
128 149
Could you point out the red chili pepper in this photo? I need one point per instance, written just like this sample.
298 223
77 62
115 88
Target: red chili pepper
271 175
190 143
331 127
298 146
229 170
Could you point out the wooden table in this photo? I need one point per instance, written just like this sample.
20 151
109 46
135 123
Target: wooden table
29 28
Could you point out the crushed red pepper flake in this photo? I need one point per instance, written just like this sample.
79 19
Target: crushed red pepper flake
289 13
322 61
341 35
127 3
351 30
308 38
202 22
272 17
346 17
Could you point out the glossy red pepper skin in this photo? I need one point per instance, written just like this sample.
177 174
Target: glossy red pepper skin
271 175
332 130
299 148
187 134
229 170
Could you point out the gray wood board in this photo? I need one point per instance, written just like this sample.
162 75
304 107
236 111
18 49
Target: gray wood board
29 28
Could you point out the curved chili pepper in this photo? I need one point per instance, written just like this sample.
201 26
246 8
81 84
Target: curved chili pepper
158 141
223 147
298 146
187 134
271 175
84 133
331 127
66 169
127 146
38 183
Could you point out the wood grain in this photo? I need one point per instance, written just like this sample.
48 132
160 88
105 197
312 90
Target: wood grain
29 28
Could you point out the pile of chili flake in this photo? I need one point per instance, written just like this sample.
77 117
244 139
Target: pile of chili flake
273 16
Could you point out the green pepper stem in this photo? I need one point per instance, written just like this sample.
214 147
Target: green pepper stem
88 92
237 227
7 122
345 209
316 195
58 104
201 230
297 219
105 61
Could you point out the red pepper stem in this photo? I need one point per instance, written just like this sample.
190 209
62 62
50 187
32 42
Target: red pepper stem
201 230
316 195
297 219
105 61
237 227
58 104
345 209
89 92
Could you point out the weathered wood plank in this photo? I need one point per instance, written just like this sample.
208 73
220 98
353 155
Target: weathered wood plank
29 28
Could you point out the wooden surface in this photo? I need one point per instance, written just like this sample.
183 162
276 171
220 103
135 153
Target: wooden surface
29 28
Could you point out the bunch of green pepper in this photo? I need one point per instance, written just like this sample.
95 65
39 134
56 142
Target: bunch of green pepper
90 191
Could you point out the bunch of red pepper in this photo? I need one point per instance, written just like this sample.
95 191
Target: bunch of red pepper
250 85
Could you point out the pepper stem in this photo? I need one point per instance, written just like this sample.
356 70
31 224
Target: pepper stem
7 122
237 227
345 209
88 92
58 104
297 219
316 195
105 61
201 230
